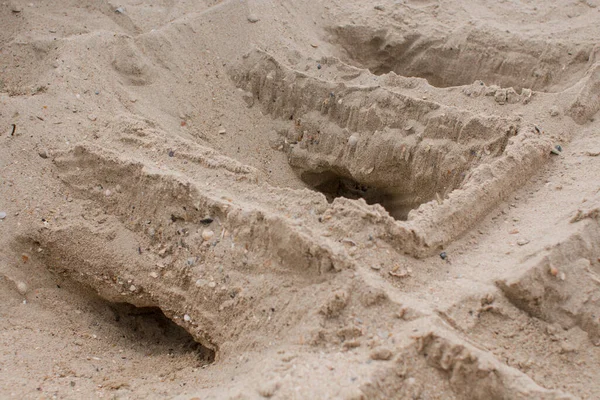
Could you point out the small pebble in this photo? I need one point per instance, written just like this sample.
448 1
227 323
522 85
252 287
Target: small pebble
187 318
153 274
252 18
222 131
353 140
120 10
171 153
43 154
191 261
22 287
522 242
132 288
268 389
107 192
207 234
381 354
2 215
318 66
212 284
443 255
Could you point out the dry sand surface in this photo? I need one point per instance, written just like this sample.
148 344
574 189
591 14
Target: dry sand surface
300 199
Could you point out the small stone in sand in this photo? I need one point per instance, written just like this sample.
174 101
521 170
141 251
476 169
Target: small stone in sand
187 318
43 154
522 242
222 131
2 215
352 140
252 18
381 353
22 287
268 389
207 234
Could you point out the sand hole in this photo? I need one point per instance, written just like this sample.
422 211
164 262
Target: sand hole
332 185
151 327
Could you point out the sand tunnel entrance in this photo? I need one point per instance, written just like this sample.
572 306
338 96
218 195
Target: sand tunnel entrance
332 185
151 326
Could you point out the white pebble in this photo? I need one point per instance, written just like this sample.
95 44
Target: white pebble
2 215
207 234
212 284
132 288
153 274
352 140
187 318
22 287
107 193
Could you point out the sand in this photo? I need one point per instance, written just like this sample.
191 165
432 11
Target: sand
300 199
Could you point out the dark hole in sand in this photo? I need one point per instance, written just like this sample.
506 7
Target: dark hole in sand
150 325
332 185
